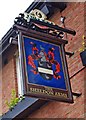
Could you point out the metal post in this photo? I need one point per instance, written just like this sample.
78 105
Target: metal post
21 62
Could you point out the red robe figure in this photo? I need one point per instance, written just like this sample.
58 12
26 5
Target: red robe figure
51 58
32 57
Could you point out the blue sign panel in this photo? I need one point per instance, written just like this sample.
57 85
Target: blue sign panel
44 63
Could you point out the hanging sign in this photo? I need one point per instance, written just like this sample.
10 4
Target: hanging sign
45 66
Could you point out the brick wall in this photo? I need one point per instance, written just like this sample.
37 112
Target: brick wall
74 14
8 77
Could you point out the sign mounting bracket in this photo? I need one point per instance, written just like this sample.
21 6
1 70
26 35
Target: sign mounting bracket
76 94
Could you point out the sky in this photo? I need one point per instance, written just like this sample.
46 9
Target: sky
9 9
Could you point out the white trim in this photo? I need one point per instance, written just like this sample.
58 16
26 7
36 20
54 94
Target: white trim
44 70
19 80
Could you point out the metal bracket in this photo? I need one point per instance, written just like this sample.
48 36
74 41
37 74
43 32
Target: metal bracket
13 41
76 94
69 54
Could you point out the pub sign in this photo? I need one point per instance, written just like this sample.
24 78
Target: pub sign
45 68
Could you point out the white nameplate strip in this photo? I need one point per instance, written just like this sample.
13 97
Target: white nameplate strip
44 70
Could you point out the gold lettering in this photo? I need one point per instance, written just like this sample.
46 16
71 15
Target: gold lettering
36 90
61 94
48 92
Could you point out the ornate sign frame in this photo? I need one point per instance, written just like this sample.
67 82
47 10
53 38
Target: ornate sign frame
34 47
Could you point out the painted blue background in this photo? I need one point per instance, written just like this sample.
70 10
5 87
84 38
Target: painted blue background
37 78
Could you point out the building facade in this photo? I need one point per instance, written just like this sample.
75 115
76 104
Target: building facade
74 13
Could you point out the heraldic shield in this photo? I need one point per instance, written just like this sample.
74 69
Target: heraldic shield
44 67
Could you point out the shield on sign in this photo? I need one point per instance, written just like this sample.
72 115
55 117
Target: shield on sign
44 67
45 70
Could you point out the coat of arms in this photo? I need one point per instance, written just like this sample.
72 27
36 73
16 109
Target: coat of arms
45 62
